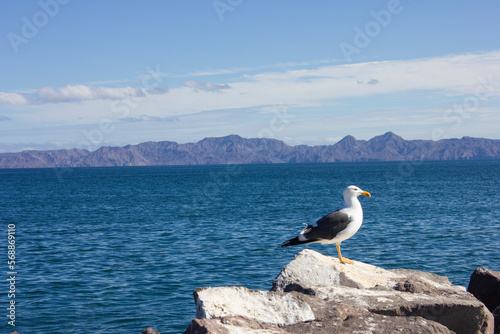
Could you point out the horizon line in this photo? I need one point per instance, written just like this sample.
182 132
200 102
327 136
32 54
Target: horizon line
237 135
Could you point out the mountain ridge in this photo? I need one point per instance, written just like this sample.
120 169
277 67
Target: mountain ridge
234 149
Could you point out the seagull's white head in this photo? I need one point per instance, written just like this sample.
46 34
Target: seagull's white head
353 191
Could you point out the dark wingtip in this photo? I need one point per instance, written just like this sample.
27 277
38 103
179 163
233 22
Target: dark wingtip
291 242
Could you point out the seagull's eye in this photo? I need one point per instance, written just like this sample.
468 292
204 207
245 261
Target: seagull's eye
356 189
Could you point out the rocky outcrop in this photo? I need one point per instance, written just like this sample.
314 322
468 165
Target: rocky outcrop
485 285
318 294
234 149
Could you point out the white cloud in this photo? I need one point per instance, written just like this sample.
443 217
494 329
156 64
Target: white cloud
453 74
322 101
148 118
331 86
261 68
450 73
205 86
13 98
71 93
157 90
77 93
368 82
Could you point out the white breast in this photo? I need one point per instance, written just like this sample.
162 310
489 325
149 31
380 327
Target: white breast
356 216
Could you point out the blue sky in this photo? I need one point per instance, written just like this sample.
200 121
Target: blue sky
92 73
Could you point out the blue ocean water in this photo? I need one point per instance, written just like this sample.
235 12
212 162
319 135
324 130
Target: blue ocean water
115 250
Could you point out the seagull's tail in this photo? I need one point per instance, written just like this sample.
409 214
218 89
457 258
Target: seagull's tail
294 241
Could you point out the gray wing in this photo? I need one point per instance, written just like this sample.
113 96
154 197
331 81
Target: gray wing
327 227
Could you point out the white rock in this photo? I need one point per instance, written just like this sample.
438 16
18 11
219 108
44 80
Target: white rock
319 294
311 269
265 307
314 269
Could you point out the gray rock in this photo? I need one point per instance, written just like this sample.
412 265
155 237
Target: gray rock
150 330
231 325
496 315
318 294
485 285
340 324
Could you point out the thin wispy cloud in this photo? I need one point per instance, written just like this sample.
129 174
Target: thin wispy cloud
85 93
205 86
368 82
236 70
149 118
324 99
300 87
156 90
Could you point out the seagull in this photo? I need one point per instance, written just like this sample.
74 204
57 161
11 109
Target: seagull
337 226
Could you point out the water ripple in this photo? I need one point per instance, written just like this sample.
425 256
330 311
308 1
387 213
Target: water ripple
119 249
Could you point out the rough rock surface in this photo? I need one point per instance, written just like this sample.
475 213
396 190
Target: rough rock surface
318 294
485 285
150 330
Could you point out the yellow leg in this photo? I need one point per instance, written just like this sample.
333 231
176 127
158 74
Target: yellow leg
343 259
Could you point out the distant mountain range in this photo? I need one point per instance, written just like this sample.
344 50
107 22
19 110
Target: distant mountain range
234 149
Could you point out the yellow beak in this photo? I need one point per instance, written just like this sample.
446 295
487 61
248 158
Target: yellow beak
366 193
